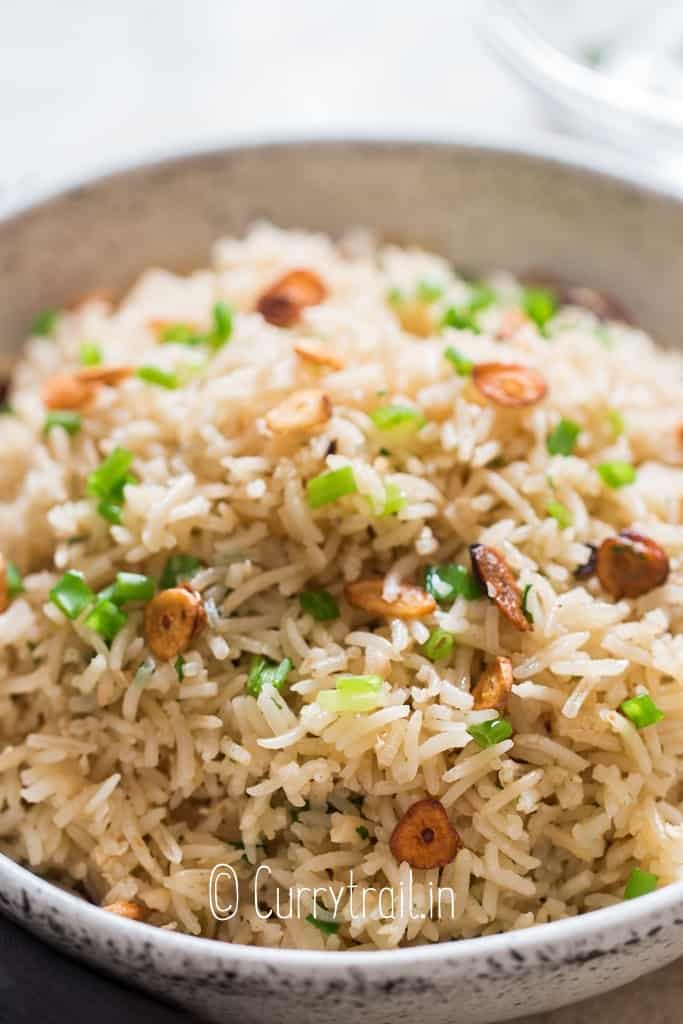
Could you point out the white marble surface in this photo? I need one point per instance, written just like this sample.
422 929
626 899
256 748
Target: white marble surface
90 83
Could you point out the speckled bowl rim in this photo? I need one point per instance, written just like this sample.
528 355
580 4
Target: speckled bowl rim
545 148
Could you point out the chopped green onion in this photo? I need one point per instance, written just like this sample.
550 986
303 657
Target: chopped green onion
155 375
180 334
439 645
180 668
463 365
178 568
329 487
64 418
222 326
487 734
525 603
14 580
263 670
327 927
446 582
617 474
90 354
483 296
71 595
352 694
640 883
111 476
560 513
112 511
641 710
320 604
395 296
45 323
107 619
562 440
131 586
394 500
362 832
616 422
428 291
540 305
461 319
388 417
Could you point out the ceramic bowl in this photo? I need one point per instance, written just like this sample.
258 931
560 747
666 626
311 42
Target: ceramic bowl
566 211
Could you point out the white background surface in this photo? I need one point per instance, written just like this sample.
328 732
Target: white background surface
92 83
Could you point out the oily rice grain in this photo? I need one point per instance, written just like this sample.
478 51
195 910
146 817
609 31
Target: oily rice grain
129 778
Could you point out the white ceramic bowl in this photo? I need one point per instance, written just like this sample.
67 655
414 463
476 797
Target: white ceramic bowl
566 211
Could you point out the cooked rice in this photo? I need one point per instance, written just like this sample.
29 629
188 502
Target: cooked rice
130 785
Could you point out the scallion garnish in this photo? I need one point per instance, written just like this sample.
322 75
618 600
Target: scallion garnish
180 668
352 694
329 487
155 375
362 832
14 580
461 319
320 604
327 927
446 582
71 594
616 422
540 305
641 710
222 326
463 366
108 481
64 418
482 297
640 883
617 473
45 323
525 603
178 568
487 734
264 670
562 440
90 354
388 417
394 500
439 645
428 291
132 586
560 514
180 334
107 619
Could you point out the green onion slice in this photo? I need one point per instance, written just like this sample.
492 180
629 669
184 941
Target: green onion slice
560 513
155 375
463 366
352 694
617 473
90 354
487 734
107 619
64 418
45 323
222 326
132 586
447 582
71 594
640 883
329 487
327 927
641 710
428 291
388 417
14 579
320 604
178 568
263 670
525 603
180 668
461 319
540 305
562 440
616 422
439 645
363 832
